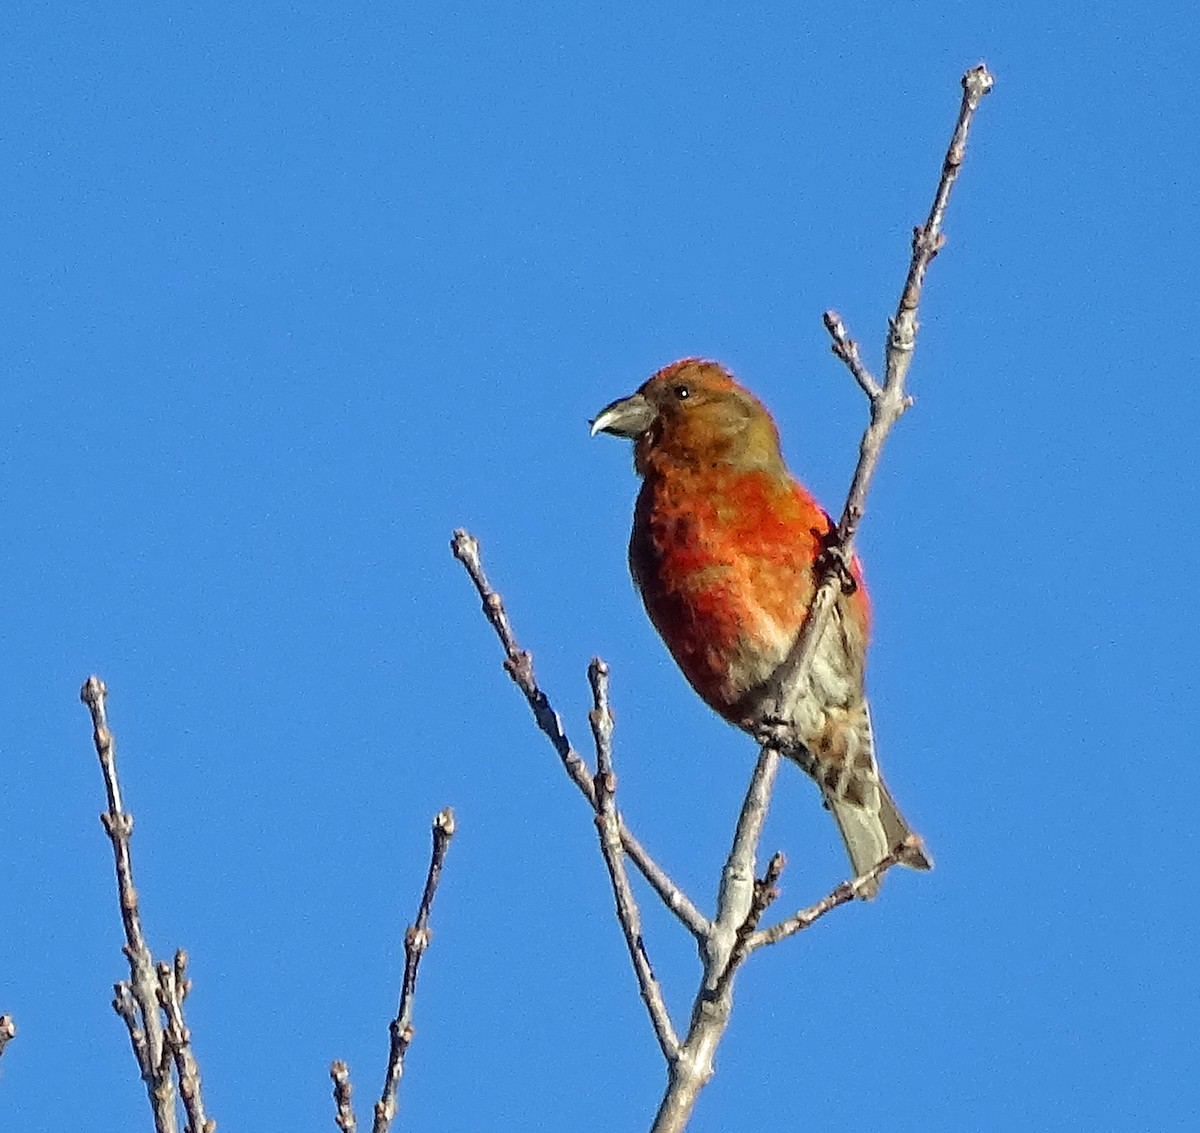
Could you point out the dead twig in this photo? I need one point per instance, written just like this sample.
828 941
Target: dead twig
843 894
344 1117
173 988
609 827
142 999
416 941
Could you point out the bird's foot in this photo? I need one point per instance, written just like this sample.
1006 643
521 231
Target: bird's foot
833 559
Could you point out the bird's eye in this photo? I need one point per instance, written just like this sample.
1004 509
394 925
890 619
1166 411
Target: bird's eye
682 392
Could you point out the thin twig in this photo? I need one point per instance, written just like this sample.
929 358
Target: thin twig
928 240
344 1117
519 665
888 403
713 1004
123 1004
847 350
736 895
8 1030
765 892
136 1001
842 895
608 826
416 940
173 988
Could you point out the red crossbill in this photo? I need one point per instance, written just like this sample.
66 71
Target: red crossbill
724 552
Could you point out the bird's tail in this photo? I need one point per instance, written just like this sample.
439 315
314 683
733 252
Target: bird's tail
870 833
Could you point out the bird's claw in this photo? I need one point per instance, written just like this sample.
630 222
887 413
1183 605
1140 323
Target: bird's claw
833 560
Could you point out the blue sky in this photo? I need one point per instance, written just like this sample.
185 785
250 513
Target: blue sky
288 292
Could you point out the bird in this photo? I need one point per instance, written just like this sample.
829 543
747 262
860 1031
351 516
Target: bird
726 552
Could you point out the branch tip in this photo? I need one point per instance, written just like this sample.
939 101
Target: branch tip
977 82
464 545
344 1117
444 823
417 938
93 692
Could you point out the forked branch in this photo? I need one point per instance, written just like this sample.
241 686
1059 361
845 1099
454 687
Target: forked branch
416 941
150 1002
518 663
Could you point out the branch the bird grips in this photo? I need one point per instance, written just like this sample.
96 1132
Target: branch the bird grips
726 551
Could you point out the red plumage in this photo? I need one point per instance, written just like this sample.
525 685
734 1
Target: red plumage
724 552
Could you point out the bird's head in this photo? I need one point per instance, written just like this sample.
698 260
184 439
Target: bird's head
693 413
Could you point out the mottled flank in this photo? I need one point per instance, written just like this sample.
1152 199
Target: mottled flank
723 551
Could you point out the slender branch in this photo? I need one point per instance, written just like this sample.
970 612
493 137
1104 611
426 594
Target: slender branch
842 895
888 403
8 1030
928 240
765 892
344 1118
736 895
692 1070
732 940
136 1001
173 988
123 1004
608 826
519 665
847 350
416 941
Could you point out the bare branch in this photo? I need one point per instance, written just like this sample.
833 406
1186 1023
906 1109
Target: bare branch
608 825
928 240
173 987
710 1014
519 665
344 1118
8 1030
691 1071
842 895
137 1001
123 1004
416 940
887 402
736 895
765 892
847 350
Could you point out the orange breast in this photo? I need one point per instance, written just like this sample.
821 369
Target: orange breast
724 561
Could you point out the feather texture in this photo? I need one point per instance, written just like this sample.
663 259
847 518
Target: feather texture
724 553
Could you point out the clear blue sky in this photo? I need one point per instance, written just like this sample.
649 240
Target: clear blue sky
290 291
